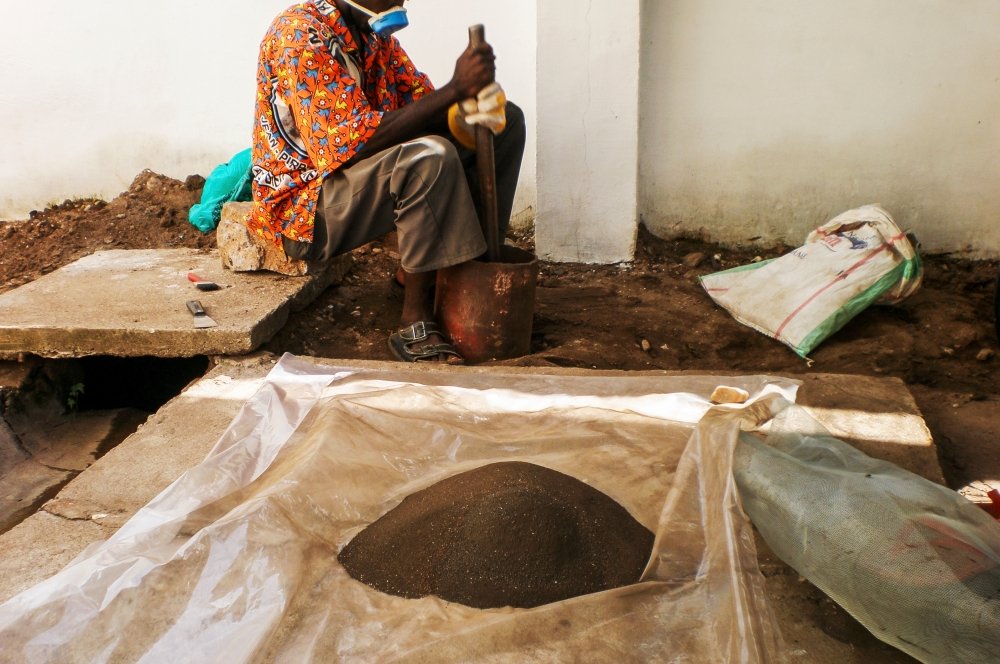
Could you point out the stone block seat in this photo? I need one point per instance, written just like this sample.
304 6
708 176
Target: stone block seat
243 251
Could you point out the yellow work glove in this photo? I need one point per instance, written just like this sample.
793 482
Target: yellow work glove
463 132
487 109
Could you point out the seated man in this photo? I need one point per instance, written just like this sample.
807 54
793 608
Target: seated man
351 141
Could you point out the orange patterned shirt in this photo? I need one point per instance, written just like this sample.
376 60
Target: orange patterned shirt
320 97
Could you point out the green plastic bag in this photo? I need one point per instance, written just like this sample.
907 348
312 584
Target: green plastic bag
227 183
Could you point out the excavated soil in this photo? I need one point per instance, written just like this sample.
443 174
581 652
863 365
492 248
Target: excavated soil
649 314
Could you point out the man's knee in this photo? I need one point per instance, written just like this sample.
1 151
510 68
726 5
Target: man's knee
515 116
425 163
433 152
515 121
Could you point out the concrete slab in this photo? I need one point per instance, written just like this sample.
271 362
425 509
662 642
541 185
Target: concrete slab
877 415
75 441
102 498
51 543
11 450
25 487
54 453
132 303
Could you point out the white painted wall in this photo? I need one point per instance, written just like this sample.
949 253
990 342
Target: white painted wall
759 118
94 92
768 117
588 135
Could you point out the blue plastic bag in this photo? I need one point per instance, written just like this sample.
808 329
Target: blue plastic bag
227 183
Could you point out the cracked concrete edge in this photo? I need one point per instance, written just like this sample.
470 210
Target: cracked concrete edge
25 487
12 450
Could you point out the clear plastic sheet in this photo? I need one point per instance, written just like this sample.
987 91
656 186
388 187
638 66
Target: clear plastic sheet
236 561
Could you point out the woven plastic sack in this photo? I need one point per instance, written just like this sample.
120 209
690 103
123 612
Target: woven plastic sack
857 259
914 562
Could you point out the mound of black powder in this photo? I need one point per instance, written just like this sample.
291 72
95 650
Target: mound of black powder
507 534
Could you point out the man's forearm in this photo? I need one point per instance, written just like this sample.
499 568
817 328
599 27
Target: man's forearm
427 115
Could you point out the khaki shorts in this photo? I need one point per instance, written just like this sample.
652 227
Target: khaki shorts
417 188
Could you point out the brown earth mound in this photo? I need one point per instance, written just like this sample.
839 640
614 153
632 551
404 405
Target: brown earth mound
507 534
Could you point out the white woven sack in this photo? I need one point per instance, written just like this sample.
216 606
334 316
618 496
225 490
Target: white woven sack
859 258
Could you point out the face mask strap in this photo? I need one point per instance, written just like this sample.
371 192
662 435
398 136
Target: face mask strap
385 23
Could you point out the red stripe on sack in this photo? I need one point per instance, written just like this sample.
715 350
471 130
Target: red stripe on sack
840 277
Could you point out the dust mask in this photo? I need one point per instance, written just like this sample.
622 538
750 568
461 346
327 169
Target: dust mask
386 23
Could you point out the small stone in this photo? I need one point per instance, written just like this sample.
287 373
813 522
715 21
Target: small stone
243 251
694 259
376 250
986 354
757 259
645 345
725 394
120 216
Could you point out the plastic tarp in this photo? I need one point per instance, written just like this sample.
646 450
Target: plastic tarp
236 561
913 561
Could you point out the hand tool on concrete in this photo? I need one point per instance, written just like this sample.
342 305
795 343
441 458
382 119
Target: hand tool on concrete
201 319
202 284
486 169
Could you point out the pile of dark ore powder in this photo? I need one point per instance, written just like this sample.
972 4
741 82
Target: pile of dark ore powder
506 534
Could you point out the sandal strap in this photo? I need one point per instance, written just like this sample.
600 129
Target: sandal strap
419 331
434 350
410 343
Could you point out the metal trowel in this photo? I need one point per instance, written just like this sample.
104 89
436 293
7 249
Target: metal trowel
201 319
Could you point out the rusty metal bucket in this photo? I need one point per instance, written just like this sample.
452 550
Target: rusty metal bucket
487 308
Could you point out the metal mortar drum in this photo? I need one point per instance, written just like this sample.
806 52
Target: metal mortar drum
487 308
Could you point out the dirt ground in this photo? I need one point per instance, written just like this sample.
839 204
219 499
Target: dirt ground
650 314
